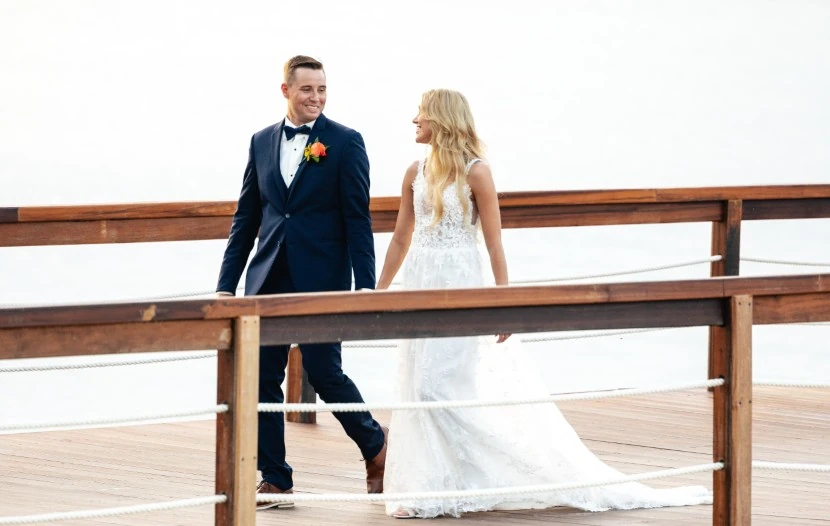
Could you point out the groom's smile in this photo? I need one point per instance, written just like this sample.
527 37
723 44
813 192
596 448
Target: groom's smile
305 91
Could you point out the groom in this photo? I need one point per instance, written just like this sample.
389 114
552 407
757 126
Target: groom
306 192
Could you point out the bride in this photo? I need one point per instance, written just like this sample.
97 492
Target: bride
447 201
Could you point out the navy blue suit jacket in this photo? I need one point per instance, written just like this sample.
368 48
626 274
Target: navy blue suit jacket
322 220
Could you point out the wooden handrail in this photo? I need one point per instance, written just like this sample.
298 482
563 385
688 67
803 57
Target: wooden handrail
340 303
141 222
186 209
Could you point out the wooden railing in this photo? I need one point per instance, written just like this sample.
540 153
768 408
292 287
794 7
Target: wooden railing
237 326
724 207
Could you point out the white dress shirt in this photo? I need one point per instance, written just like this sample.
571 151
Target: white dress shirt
291 152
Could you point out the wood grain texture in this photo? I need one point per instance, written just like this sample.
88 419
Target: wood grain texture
732 417
8 215
245 422
145 222
223 450
474 322
721 367
298 388
128 211
796 308
392 203
113 231
129 465
42 342
739 470
787 209
726 193
726 242
609 214
287 305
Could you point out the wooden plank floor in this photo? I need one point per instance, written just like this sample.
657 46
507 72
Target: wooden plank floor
97 468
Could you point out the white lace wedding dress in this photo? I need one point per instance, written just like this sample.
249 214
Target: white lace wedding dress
463 449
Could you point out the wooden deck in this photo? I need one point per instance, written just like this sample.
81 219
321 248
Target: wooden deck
97 468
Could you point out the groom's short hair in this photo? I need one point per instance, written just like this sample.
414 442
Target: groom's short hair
300 61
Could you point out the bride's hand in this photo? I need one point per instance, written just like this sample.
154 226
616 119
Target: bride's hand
502 338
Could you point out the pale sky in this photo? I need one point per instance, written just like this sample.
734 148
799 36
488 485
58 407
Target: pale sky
114 101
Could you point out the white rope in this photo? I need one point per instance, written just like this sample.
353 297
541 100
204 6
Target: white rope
592 395
106 363
487 492
710 259
179 295
212 354
601 334
112 512
220 408
531 339
782 262
370 345
781 383
781 466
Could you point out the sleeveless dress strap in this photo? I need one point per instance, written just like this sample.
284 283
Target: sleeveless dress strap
471 163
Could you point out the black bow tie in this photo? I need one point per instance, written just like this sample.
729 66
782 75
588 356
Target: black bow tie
291 132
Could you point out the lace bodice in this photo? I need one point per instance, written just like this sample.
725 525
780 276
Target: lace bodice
455 229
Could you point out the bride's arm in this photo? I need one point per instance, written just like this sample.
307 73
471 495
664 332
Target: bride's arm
399 245
481 183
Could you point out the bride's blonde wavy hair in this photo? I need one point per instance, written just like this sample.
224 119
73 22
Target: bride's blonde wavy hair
454 143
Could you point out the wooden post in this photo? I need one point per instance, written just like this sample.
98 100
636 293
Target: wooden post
733 420
298 389
236 430
726 241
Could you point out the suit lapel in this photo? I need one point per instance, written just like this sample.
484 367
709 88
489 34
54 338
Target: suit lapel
319 126
276 173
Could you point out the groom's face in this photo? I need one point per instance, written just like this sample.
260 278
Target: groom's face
306 94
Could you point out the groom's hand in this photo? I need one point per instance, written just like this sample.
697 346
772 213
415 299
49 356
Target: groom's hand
502 338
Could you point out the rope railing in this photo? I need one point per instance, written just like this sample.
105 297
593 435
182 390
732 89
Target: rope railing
219 408
789 383
113 512
408 406
711 259
211 292
362 345
345 345
487 492
784 262
407 497
455 404
107 363
783 466
529 339
529 490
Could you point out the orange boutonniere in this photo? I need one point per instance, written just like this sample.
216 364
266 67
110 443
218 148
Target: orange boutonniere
315 150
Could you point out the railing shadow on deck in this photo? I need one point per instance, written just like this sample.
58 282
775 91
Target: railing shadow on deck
237 326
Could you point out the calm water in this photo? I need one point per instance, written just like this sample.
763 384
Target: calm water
124 102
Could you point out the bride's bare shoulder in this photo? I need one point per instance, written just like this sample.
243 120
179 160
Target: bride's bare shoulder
411 173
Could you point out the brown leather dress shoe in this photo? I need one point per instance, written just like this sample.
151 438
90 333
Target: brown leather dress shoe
376 466
264 488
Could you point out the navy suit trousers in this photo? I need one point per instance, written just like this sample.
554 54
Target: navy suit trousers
323 364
